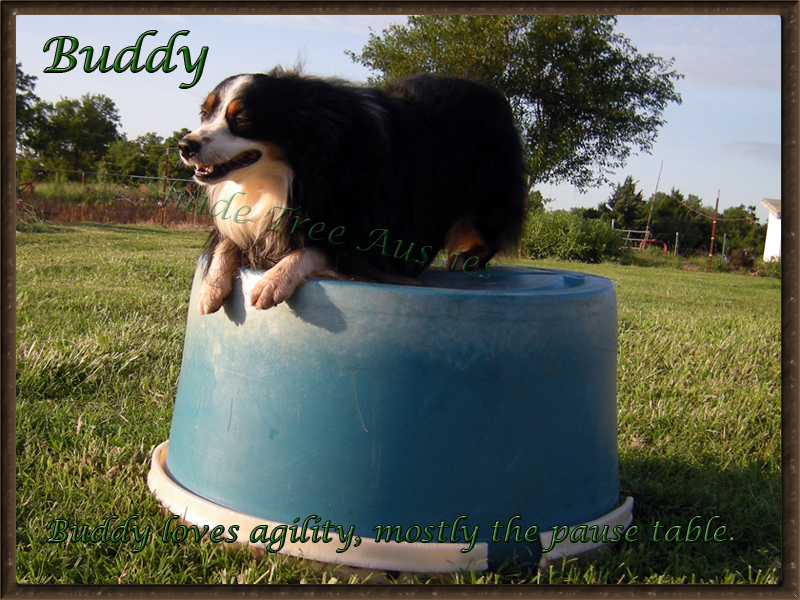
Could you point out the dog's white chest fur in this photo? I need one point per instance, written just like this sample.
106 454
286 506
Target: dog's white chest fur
244 210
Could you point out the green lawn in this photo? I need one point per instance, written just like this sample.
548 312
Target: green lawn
100 318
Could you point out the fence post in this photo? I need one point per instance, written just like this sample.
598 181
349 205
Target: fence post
677 234
713 231
166 173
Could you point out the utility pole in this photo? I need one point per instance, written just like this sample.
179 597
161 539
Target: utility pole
713 231
652 200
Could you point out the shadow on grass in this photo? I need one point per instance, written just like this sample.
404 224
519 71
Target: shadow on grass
741 506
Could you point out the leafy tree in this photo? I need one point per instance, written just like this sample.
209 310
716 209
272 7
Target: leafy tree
29 107
145 155
744 231
686 215
626 206
675 212
177 168
586 213
76 133
583 96
141 156
537 202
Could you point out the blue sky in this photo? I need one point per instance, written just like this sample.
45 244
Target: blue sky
725 136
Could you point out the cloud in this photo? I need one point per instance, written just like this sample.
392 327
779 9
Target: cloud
348 23
757 150
713 50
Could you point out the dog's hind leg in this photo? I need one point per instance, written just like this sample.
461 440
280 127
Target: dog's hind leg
463 243
282 280
218 282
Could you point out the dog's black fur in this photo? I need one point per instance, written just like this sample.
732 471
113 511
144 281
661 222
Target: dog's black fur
434 161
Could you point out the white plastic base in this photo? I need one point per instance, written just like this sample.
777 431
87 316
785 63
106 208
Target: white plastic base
412 557
622 515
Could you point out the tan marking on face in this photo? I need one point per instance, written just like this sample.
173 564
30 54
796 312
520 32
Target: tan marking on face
233 108
209 103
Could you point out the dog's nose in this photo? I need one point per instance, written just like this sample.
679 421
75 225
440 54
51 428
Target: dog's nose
188 148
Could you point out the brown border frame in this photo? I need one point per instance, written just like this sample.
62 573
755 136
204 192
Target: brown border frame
790 64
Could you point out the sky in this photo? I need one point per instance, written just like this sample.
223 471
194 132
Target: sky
724 138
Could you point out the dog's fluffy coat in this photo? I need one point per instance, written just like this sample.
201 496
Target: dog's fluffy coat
434 162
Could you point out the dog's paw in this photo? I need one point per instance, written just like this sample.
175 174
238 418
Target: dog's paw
272 289
211 299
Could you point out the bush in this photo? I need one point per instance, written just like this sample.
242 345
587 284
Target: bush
562 235
770 268
719 264
742 259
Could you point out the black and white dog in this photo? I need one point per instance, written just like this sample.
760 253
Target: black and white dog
321 177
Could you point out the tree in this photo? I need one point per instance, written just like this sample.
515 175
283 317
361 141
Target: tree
588 214
583 96
537 201
145 156
685 215
29 108
177 167
744 232
141 156
76 133
626 206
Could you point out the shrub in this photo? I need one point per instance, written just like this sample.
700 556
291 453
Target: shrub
562 235
720 265
742 259
770 268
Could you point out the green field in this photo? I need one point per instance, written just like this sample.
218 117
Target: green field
100 319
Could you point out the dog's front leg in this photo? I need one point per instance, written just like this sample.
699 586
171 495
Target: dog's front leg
218 282
282 280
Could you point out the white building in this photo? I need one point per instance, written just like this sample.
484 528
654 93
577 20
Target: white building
772 247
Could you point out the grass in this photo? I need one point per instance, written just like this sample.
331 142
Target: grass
100 319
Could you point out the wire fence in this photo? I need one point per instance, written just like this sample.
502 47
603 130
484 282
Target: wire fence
111 197
633 237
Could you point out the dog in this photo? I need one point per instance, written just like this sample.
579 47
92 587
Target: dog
320 177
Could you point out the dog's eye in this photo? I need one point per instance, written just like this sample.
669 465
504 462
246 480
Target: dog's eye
241 120
203 115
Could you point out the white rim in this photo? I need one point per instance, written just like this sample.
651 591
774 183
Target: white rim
566 548
413 557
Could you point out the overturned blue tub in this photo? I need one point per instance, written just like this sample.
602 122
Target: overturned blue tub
440 427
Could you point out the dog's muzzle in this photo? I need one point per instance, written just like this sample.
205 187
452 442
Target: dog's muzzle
209 173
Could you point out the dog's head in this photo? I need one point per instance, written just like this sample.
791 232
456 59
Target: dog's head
238 134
